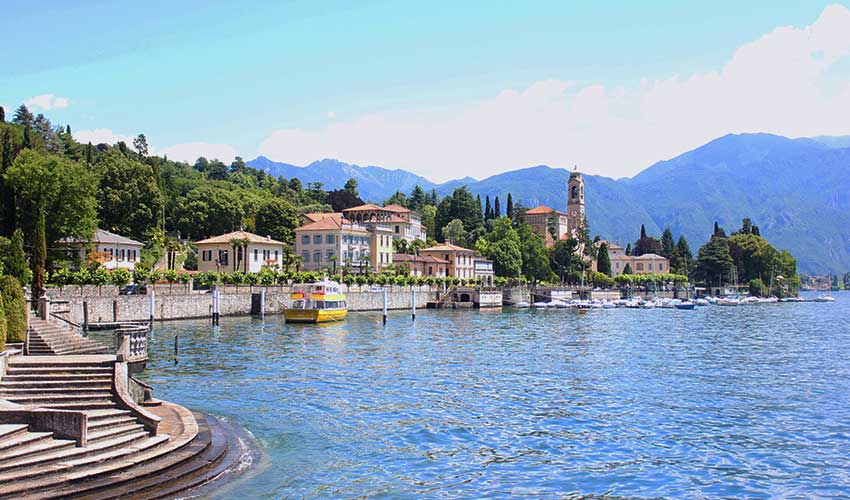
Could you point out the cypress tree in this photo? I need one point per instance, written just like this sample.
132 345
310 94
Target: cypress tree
480 209
642 231
2 115
628 251
39 256
15 308
509 210
603 261
488 210
627 269
667 243
497 209
2 323
27 144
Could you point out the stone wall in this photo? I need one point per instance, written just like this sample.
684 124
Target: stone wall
233 301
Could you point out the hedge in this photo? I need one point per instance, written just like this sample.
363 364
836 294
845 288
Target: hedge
15 308
2 326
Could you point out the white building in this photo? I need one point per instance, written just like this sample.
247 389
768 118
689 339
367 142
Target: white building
111 250
239 251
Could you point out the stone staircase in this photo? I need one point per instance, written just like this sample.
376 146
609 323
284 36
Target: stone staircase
50 338
121 458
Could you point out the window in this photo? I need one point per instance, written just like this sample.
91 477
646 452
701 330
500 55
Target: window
317 239
639 267
256 254
305 256
223 257
317 257
396 230
660 267
329 255
329 239
275 255
305 239
649 266
430 270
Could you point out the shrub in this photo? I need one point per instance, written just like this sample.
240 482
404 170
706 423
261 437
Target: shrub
15 308
119 277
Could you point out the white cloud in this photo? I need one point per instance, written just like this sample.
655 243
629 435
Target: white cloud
779 83
190 152
101 136
47 102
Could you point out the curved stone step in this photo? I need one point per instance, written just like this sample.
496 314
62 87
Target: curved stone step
12 430
24 439
33 450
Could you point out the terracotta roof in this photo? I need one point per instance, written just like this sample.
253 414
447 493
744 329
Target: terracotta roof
317 216
367 206
542 210
403 257
397 209
331 223
101 236
446 247
240 235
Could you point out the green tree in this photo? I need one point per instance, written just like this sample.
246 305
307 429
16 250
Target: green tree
714 262
351 186
535 257
130 198
497 208
13 258
417 198
603 260
277 218
488 210
667 243
15 308
140 144
62 188
39 256
454 231
23 117
209 210
502 245
429 215
509 209
398 198
627 269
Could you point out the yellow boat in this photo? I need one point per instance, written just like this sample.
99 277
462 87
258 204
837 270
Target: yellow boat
319 302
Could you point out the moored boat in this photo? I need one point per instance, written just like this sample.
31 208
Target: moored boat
318 302
686 305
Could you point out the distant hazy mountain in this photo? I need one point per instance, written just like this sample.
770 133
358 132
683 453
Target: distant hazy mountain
796 190
374 183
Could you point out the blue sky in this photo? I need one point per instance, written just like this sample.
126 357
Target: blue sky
370 82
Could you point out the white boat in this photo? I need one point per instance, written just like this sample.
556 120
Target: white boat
560 304
728 301
702 302
521 305
767 300
609 305
824 298
540 305
750 300
686 305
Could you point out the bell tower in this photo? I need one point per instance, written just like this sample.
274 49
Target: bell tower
575 201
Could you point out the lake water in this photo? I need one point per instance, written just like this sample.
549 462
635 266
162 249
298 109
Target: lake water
718 402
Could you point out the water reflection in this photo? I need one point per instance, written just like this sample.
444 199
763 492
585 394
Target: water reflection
744 402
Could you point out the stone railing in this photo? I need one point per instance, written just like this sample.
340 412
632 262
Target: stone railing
132 343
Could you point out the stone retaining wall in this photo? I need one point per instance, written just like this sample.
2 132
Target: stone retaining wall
235 301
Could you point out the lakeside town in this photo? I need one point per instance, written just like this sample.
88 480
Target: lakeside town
424 250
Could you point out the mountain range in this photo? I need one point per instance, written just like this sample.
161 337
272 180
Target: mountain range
796 190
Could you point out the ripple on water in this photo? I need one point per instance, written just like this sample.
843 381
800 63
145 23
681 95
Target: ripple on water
716 402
